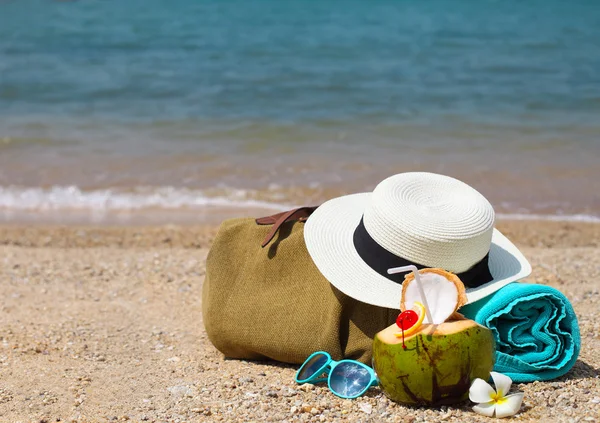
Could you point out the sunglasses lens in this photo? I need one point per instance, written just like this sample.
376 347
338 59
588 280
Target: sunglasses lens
312 366
349 379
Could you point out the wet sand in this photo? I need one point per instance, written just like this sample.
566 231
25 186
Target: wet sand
105 324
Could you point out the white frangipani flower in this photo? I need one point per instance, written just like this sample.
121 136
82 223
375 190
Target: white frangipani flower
497 401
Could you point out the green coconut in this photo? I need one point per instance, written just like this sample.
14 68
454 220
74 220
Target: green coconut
438 365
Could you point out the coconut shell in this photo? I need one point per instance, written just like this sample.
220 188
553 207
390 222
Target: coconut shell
437 366
462 293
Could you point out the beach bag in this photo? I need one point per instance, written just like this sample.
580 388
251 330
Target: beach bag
264 298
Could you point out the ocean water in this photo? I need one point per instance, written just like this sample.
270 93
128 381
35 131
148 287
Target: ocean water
130 106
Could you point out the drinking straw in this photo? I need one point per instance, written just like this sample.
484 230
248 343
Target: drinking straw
412 268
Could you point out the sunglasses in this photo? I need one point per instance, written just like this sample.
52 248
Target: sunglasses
346 379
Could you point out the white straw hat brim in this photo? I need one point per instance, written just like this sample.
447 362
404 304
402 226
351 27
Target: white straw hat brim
329 239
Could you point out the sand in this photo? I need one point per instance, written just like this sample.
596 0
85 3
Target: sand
104 324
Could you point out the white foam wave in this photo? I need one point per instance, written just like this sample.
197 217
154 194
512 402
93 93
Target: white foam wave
73 198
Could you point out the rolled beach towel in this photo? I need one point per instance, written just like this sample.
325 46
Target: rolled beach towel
535 327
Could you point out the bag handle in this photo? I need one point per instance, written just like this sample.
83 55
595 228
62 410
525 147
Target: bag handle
300 214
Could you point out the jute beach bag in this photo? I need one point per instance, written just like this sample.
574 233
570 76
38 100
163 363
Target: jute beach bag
263 297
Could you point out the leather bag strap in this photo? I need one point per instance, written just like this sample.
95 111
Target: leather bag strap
300 214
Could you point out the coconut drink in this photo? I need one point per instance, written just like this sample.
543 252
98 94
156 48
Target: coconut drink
432 354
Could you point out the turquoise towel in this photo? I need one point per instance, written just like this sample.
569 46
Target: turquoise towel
535 327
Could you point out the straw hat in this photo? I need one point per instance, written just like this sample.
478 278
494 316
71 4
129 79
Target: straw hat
418 218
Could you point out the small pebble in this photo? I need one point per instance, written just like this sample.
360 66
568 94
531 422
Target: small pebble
365 407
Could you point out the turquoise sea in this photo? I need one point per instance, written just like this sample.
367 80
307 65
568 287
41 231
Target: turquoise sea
183 105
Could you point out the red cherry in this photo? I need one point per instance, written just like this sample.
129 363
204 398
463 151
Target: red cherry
407 319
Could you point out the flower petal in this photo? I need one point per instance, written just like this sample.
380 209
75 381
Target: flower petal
510 406
486 409
481 391
502 383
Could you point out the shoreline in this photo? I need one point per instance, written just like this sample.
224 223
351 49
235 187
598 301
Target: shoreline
524 233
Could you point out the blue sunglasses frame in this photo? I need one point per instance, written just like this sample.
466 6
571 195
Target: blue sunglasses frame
327 368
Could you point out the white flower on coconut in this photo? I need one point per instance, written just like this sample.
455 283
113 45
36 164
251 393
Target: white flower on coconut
492 400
